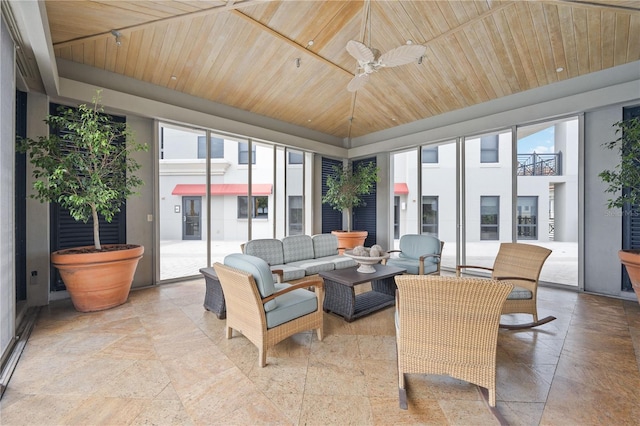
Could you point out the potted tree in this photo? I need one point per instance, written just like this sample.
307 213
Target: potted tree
624 183
345 188
85 165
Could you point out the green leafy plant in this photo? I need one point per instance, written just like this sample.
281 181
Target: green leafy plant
346 186
624 179
84 164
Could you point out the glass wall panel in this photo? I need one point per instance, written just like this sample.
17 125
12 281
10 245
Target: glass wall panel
547 208
263 207
182 207
406 195
438 195
488 197
230 205
295 187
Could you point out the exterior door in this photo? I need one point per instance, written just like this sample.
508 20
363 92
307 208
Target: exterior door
191 218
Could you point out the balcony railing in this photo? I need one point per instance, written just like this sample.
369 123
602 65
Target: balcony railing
540 164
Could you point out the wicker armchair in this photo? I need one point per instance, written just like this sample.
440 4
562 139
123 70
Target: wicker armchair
448 326
419 254
263 311
520 264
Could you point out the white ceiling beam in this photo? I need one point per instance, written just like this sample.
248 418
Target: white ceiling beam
31 18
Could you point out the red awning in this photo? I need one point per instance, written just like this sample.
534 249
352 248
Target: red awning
400 188
198 189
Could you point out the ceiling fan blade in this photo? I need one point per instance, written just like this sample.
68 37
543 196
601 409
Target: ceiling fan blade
402 55
357 82
360 51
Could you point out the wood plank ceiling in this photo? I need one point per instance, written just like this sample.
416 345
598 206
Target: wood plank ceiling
287 59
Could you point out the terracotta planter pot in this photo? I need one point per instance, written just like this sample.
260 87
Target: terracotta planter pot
631 260
349 240
100 280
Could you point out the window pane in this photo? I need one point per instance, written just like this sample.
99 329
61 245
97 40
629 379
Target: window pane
217 147
261 207
489 149
430 155
243 208
243 153
295 215
295 157
430 215
489 215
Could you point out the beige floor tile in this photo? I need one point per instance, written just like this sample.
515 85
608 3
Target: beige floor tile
331 409
420 411
161 358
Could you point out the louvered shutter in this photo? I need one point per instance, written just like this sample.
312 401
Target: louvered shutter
331 218
630 216
364 217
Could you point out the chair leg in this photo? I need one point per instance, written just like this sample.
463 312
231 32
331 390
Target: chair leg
262 357
402 392
228 332
319 333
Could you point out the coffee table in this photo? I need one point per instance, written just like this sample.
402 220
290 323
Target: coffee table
340 297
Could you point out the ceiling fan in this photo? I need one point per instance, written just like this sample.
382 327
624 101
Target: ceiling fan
370 60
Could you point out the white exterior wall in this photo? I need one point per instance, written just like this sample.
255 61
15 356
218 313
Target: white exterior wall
181 166
488 179
440 180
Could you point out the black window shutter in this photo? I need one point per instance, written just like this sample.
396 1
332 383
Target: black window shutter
630 216
364 217
66 232
331 218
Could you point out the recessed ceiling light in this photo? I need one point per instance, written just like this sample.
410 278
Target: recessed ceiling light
173 77
393 119
409 41
559 69
310 43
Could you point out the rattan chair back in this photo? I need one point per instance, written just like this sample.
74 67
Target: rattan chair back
449 326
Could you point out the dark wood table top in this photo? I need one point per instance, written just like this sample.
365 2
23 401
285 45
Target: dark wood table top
351 277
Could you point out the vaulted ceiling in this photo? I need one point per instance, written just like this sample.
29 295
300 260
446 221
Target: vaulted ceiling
287 59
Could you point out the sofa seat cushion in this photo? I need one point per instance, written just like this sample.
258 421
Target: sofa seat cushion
313 266
297 247
291 305
520 293
269 249
290 272
413 265
340 261
324 245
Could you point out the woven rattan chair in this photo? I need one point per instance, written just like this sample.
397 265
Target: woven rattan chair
263 311
520 264
448 326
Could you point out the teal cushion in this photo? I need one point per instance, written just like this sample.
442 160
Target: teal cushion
520 293
412 265
291 305
268 249
325 245
297 247
260 271
414 245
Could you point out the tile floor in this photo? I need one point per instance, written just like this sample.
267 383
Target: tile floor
162 359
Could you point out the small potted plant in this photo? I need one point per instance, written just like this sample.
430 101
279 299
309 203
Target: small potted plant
345 189
85 165
624 183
